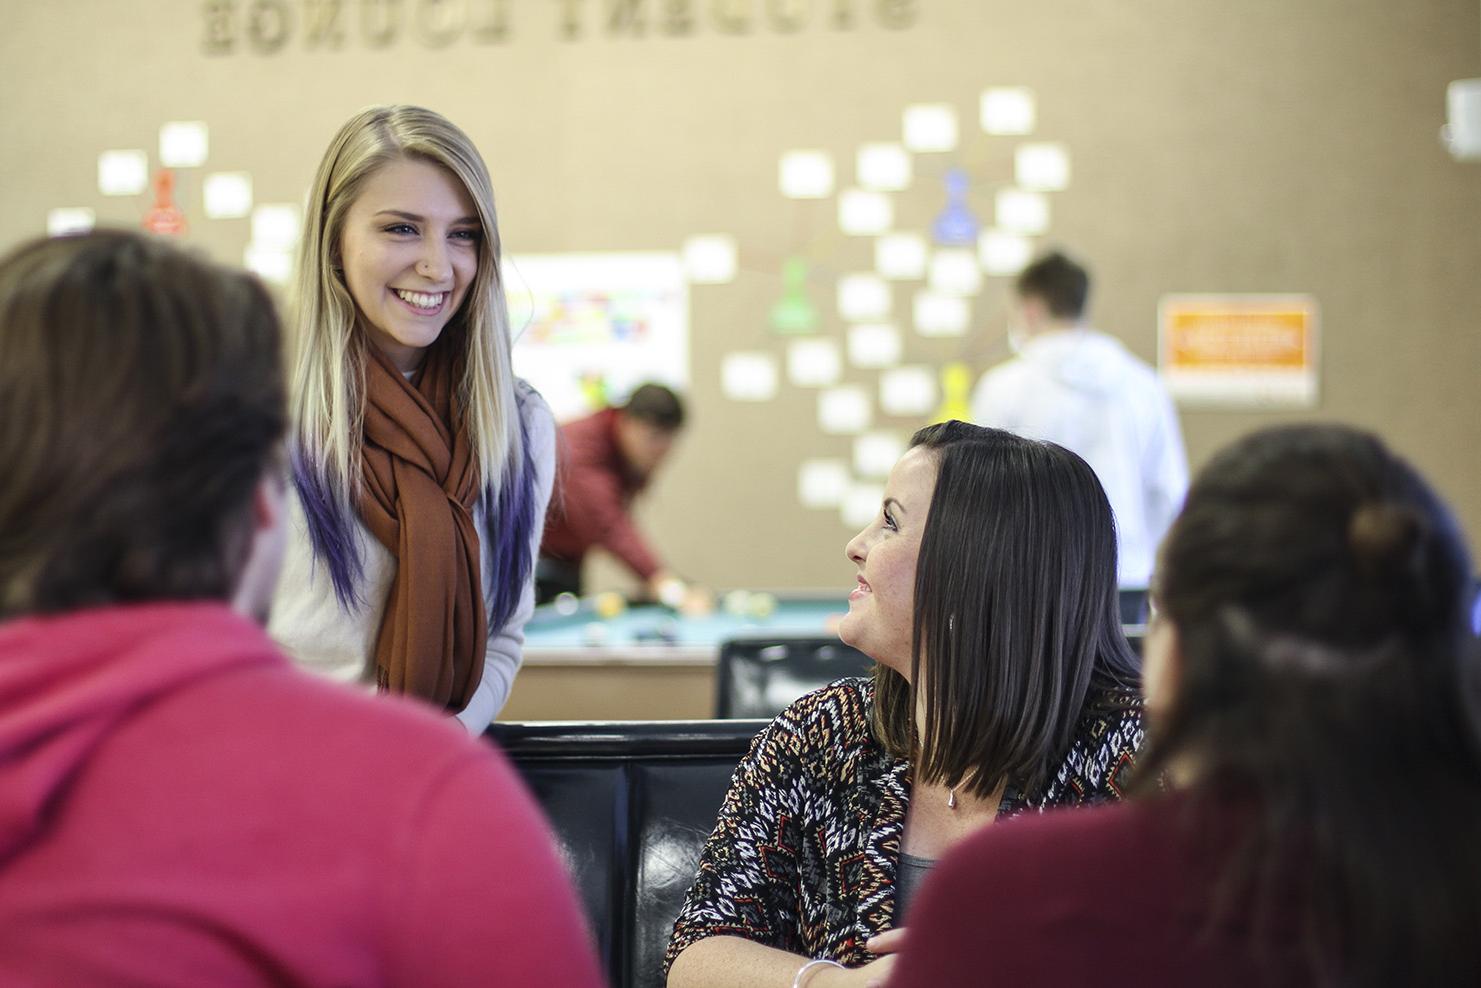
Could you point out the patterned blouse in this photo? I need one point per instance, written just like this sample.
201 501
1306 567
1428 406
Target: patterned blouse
804 855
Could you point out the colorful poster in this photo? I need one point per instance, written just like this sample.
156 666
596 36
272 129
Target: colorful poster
589 328
1240 350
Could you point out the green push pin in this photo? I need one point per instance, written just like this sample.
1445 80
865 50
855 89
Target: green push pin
794 315
594 390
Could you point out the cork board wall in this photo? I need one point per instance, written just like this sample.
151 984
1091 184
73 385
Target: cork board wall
1260 147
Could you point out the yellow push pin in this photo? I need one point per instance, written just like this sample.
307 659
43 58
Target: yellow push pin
956 392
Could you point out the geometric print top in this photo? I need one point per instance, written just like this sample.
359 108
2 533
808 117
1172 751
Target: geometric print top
804 854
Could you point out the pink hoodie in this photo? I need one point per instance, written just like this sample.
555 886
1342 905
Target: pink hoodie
180 807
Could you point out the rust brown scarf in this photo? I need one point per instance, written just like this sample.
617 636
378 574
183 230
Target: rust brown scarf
420 485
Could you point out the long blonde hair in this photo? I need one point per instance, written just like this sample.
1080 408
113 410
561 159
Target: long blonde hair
328 348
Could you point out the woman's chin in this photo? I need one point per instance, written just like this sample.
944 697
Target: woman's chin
848 629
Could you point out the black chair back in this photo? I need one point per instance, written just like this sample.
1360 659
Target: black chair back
1133 606
759 677
630 805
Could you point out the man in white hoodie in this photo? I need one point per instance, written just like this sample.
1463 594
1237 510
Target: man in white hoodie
1080 388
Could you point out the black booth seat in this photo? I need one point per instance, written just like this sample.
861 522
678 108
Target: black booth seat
760 677
631 804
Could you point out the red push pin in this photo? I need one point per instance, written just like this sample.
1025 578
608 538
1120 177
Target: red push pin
165 217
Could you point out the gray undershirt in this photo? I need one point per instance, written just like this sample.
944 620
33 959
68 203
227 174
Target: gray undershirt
912 872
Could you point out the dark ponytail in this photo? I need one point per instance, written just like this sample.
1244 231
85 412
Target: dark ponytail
1320 593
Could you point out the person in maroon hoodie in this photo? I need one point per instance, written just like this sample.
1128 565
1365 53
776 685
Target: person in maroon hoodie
603 461
178 805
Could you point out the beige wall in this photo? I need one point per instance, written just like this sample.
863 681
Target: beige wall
1246 147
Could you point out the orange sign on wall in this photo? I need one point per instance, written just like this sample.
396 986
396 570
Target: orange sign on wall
1239 349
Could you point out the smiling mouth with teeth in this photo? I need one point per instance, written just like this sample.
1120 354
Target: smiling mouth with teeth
421 300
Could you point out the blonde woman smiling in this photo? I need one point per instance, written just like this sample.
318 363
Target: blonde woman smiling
422 465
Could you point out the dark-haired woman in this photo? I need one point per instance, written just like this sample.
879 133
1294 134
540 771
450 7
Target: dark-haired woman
1311 684
987 595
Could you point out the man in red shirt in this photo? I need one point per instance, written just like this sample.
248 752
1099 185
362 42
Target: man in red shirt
603 462
179 806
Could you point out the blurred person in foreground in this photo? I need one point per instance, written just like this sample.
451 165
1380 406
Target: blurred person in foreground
178 805
1311 789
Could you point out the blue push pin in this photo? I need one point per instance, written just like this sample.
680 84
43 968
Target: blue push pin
956 226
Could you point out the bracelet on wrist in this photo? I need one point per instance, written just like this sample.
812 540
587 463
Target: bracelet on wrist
801 976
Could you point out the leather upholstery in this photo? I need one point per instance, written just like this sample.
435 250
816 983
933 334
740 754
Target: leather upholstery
759 677
630 805
1133 606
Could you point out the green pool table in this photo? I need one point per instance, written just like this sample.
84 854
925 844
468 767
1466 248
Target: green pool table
648 663
653 634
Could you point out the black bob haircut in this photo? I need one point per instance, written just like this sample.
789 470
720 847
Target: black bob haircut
1017 621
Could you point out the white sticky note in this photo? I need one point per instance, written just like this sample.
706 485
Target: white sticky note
861 504
69 219
272 262
884 167
874 345
864 213
900 255
907 390
941 315
863 297
823 483
1008 110
748 376
1041 167
806 175
930 127
709 259
955 271
1003 253
1022 211
184 144
123 173
814 362
276 224
228 195
844 411
875 453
